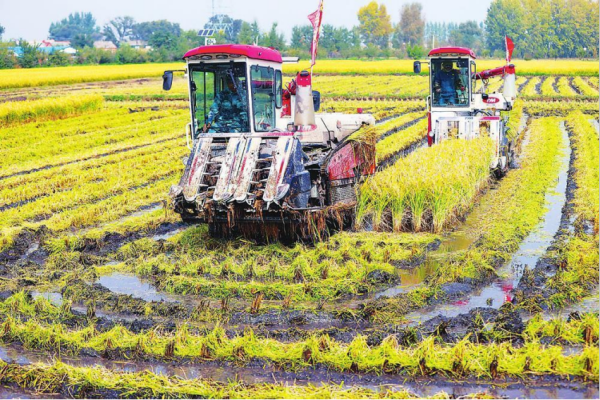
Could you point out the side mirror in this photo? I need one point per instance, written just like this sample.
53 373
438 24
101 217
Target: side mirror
417 67
167 80
316 100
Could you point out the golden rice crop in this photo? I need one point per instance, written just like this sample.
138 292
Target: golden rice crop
19 78
46 109
532 67
429 188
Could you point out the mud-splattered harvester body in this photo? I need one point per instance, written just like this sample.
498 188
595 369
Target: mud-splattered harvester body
263 163
457 110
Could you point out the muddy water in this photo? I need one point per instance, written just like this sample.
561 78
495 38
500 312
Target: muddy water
53 297
169 234
410 279
255 374
532 248
131 285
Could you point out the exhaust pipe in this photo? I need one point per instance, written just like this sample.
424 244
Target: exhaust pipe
304 114
510 88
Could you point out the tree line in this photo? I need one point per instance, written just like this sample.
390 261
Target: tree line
540 29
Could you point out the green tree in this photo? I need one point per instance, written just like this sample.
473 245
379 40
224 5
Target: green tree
468 34
301 37
128 55
245 35
274 39
82 40
119 29
411 28
32 56
75 24
375 24
59 59
7 59
145 30
1 31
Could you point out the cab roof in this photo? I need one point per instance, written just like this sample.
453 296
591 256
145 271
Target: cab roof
442 51
255 52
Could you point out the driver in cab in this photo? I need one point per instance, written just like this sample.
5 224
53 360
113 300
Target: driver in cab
445 83
226 110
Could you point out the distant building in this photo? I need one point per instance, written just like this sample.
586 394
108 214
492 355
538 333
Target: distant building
16 51
46 46
52 43
106 46
138 44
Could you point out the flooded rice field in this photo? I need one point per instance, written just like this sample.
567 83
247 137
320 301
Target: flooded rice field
106 293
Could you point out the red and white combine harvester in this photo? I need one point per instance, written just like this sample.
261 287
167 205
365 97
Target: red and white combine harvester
263 163
456 109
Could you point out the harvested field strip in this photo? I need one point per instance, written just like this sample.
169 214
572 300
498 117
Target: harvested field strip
346 264
82 382
529 90
547 88
501 220
401 139
585 87
450 175
138 222
87 145
140 172
106 210
461 359
574 256
47 109
560 108
46 182
381 109
585 144
393 125
564 87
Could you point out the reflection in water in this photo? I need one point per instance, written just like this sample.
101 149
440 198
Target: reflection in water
130 284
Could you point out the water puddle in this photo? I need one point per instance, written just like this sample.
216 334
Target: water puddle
131 285
53 297
169 234
532 248
412 278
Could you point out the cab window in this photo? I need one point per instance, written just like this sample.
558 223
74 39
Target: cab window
263 80
219 98
450 82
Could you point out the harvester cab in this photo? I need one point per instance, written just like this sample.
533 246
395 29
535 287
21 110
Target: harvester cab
457 109
263 163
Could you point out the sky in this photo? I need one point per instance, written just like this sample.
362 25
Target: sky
30 19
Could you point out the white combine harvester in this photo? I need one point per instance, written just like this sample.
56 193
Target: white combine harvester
263 162
457 110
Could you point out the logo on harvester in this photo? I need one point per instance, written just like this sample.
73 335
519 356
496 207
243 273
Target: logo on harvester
491 100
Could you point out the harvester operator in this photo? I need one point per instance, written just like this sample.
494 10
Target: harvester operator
445 82
227 111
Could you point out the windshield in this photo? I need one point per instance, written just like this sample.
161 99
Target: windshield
219 98
450 82
263 80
